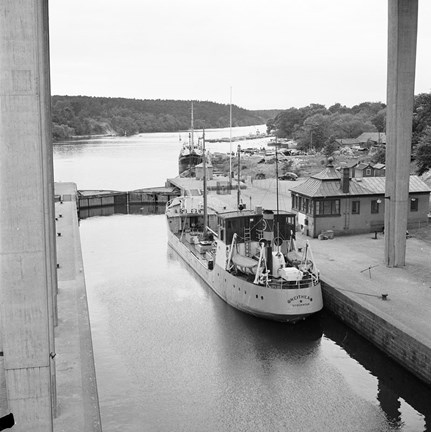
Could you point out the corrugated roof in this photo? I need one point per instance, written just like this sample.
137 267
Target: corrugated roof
378 166
363 165
329 173
315 187
377 184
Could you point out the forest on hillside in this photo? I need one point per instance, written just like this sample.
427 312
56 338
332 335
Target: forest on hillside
84 115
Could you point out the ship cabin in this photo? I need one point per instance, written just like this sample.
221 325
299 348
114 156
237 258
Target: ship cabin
252 238
251 227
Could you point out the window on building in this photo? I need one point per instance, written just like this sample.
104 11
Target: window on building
305 205
414 204
375 206
327 207
368 171
356 206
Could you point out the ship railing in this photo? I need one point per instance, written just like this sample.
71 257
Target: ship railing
281 283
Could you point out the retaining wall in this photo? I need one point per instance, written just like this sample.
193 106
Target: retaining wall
392 338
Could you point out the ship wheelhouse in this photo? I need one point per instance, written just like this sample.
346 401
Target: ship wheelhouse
254 226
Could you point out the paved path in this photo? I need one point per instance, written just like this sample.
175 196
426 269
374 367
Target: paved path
344 261
78 405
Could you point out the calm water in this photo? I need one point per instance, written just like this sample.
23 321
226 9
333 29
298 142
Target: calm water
171 356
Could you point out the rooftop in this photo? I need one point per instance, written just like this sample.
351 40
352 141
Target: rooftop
327 183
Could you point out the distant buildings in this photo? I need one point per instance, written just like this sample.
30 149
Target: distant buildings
365 140
371 138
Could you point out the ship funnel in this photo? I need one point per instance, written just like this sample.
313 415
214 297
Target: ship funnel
268 225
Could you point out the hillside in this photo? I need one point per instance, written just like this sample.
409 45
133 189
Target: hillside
84 115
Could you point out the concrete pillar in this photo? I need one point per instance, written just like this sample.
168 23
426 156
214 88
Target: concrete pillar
402 35
27 236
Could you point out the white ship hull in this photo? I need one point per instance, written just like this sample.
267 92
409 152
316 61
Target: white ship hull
285 305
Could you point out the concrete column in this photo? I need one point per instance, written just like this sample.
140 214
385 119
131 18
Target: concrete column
402 35
27 236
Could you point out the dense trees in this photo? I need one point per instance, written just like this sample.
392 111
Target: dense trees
423 152
83 115
313 126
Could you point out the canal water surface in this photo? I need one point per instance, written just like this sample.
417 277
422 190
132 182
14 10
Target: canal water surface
171 356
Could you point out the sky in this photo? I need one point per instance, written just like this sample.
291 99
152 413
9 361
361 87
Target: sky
271 54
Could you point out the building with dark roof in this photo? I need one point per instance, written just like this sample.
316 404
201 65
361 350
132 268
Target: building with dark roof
333 201
373 138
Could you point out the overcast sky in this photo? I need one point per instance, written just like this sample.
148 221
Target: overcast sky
272 53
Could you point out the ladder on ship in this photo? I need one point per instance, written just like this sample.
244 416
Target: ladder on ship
247 240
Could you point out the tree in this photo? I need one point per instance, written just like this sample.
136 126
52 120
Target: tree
421 116
379 156
330 147
423 152
350 125
287 121
379 120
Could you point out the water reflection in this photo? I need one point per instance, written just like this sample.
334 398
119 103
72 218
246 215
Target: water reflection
394 385
172 355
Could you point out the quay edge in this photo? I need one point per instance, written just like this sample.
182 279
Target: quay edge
394 339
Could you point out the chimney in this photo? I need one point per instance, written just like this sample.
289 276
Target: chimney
345 180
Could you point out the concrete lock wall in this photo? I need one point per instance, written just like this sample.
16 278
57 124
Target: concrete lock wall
401 346
27 232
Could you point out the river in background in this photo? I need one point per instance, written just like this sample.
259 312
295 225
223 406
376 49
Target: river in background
171 356
145 160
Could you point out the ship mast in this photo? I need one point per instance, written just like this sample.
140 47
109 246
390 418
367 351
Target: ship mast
276 171
191 141
277 226
230 140
192 131
204 164
239 172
